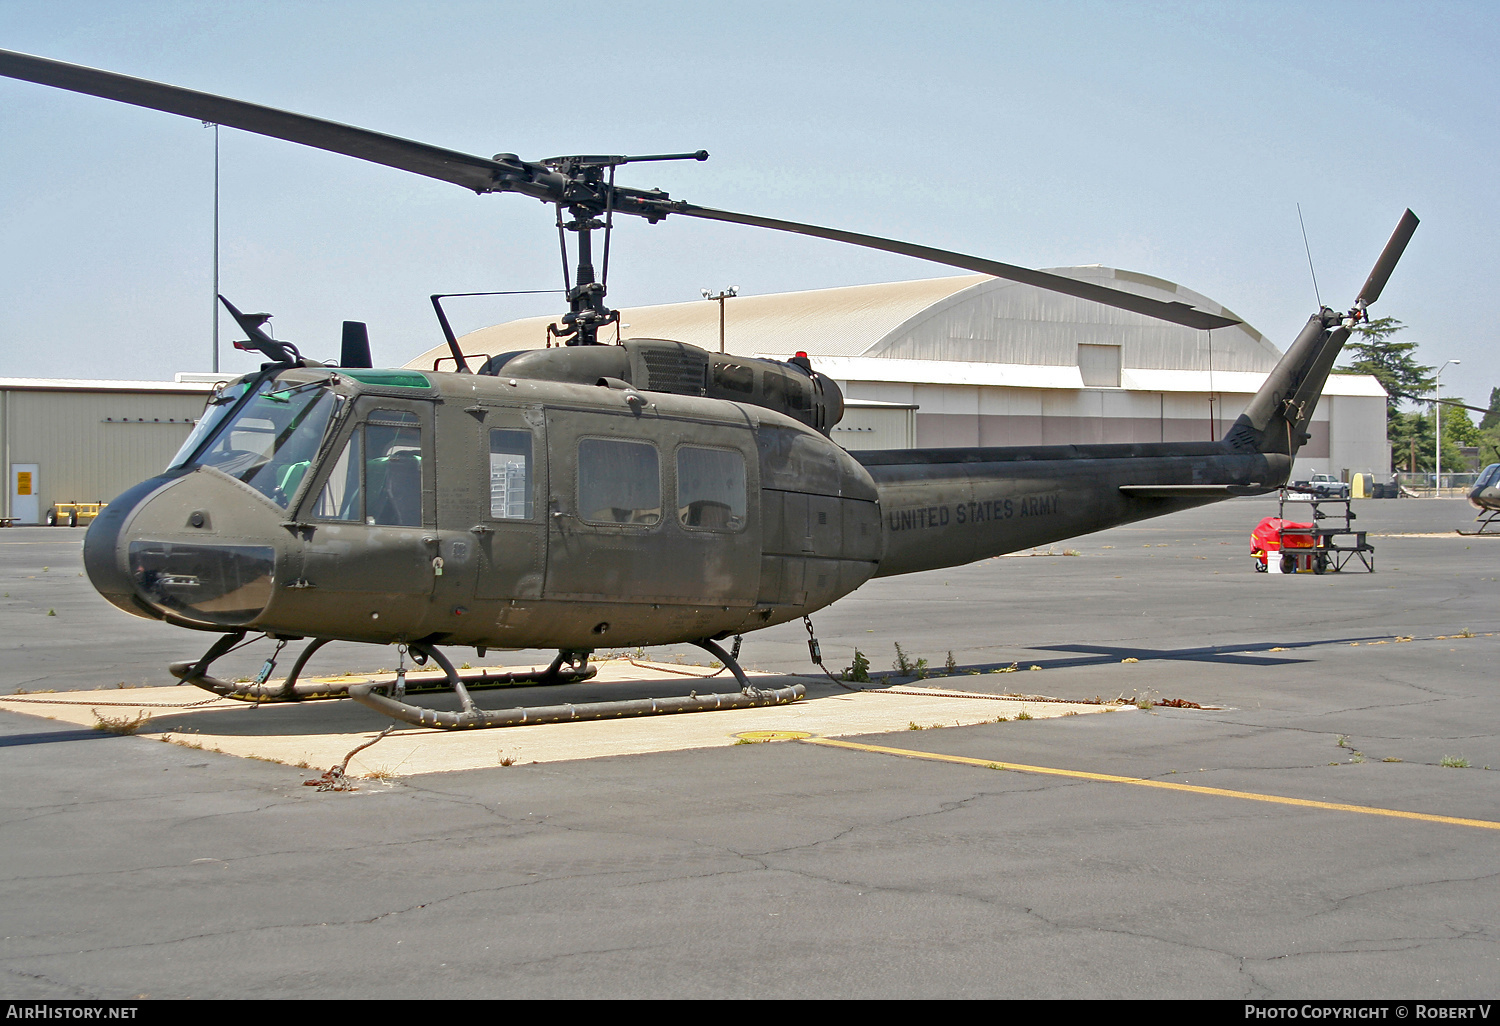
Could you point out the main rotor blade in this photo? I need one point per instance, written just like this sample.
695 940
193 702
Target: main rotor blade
540 181
1381 273
463 169
1177 313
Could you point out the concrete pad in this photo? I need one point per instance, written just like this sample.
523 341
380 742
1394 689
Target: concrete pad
320 734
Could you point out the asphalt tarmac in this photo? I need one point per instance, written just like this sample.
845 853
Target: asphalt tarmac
797 869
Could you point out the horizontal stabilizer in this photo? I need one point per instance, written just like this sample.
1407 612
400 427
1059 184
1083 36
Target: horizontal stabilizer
1191 491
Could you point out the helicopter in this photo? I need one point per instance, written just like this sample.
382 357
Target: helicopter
586 495
1485 496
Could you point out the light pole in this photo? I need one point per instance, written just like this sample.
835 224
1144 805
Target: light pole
719 298
208 124
1437 414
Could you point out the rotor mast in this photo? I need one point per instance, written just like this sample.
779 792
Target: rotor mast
587 196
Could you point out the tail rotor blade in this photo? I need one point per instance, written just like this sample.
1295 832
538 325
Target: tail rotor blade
356 348
1375 283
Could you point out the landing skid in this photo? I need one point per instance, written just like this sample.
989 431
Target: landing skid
472 717
389 698
1484 520
290 690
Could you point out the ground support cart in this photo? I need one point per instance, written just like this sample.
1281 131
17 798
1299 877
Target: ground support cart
72 513
1335 542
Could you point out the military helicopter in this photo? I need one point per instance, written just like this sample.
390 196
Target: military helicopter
637 494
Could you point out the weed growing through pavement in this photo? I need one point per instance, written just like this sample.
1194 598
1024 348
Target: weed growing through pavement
859 671
1454 762
907 667
120 724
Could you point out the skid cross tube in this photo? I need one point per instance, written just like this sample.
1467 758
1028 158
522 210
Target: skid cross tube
289 690
749 697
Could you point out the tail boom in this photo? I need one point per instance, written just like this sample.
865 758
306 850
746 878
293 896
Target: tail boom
947 507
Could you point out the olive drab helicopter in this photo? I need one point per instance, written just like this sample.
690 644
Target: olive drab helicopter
633 494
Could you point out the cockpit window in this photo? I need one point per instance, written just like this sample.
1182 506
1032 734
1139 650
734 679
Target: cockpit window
270 441
220 405
377 479
1488 476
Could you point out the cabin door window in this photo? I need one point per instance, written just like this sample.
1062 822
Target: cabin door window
368 550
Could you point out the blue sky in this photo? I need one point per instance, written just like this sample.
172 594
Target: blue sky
1170 138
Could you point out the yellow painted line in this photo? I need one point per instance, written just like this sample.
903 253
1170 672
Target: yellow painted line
1163 785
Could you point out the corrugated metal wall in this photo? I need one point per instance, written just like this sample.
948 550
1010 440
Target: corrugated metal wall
90 446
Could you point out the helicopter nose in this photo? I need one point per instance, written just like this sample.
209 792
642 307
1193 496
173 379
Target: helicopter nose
150 555
102 554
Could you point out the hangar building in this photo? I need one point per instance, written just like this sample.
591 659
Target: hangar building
67 440
975 360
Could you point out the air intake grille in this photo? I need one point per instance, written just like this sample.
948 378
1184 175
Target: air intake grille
679 371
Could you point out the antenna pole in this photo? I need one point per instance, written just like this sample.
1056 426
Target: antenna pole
1318 296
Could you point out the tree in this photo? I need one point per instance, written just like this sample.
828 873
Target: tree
1374 351
1411 435
1491 420
1489 430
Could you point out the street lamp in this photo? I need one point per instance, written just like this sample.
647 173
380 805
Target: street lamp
1437 413
719 298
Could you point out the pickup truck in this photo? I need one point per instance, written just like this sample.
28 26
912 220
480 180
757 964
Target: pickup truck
1321 486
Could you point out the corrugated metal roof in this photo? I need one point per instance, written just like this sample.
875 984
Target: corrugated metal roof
842 321
90 385
998 321
963 319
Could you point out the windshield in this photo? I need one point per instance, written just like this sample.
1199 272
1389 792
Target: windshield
270 441
219 406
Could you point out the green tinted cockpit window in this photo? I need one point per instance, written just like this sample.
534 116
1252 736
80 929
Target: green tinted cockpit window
389 378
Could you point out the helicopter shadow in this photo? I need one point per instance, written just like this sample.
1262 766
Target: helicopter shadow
1236 655
47 737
